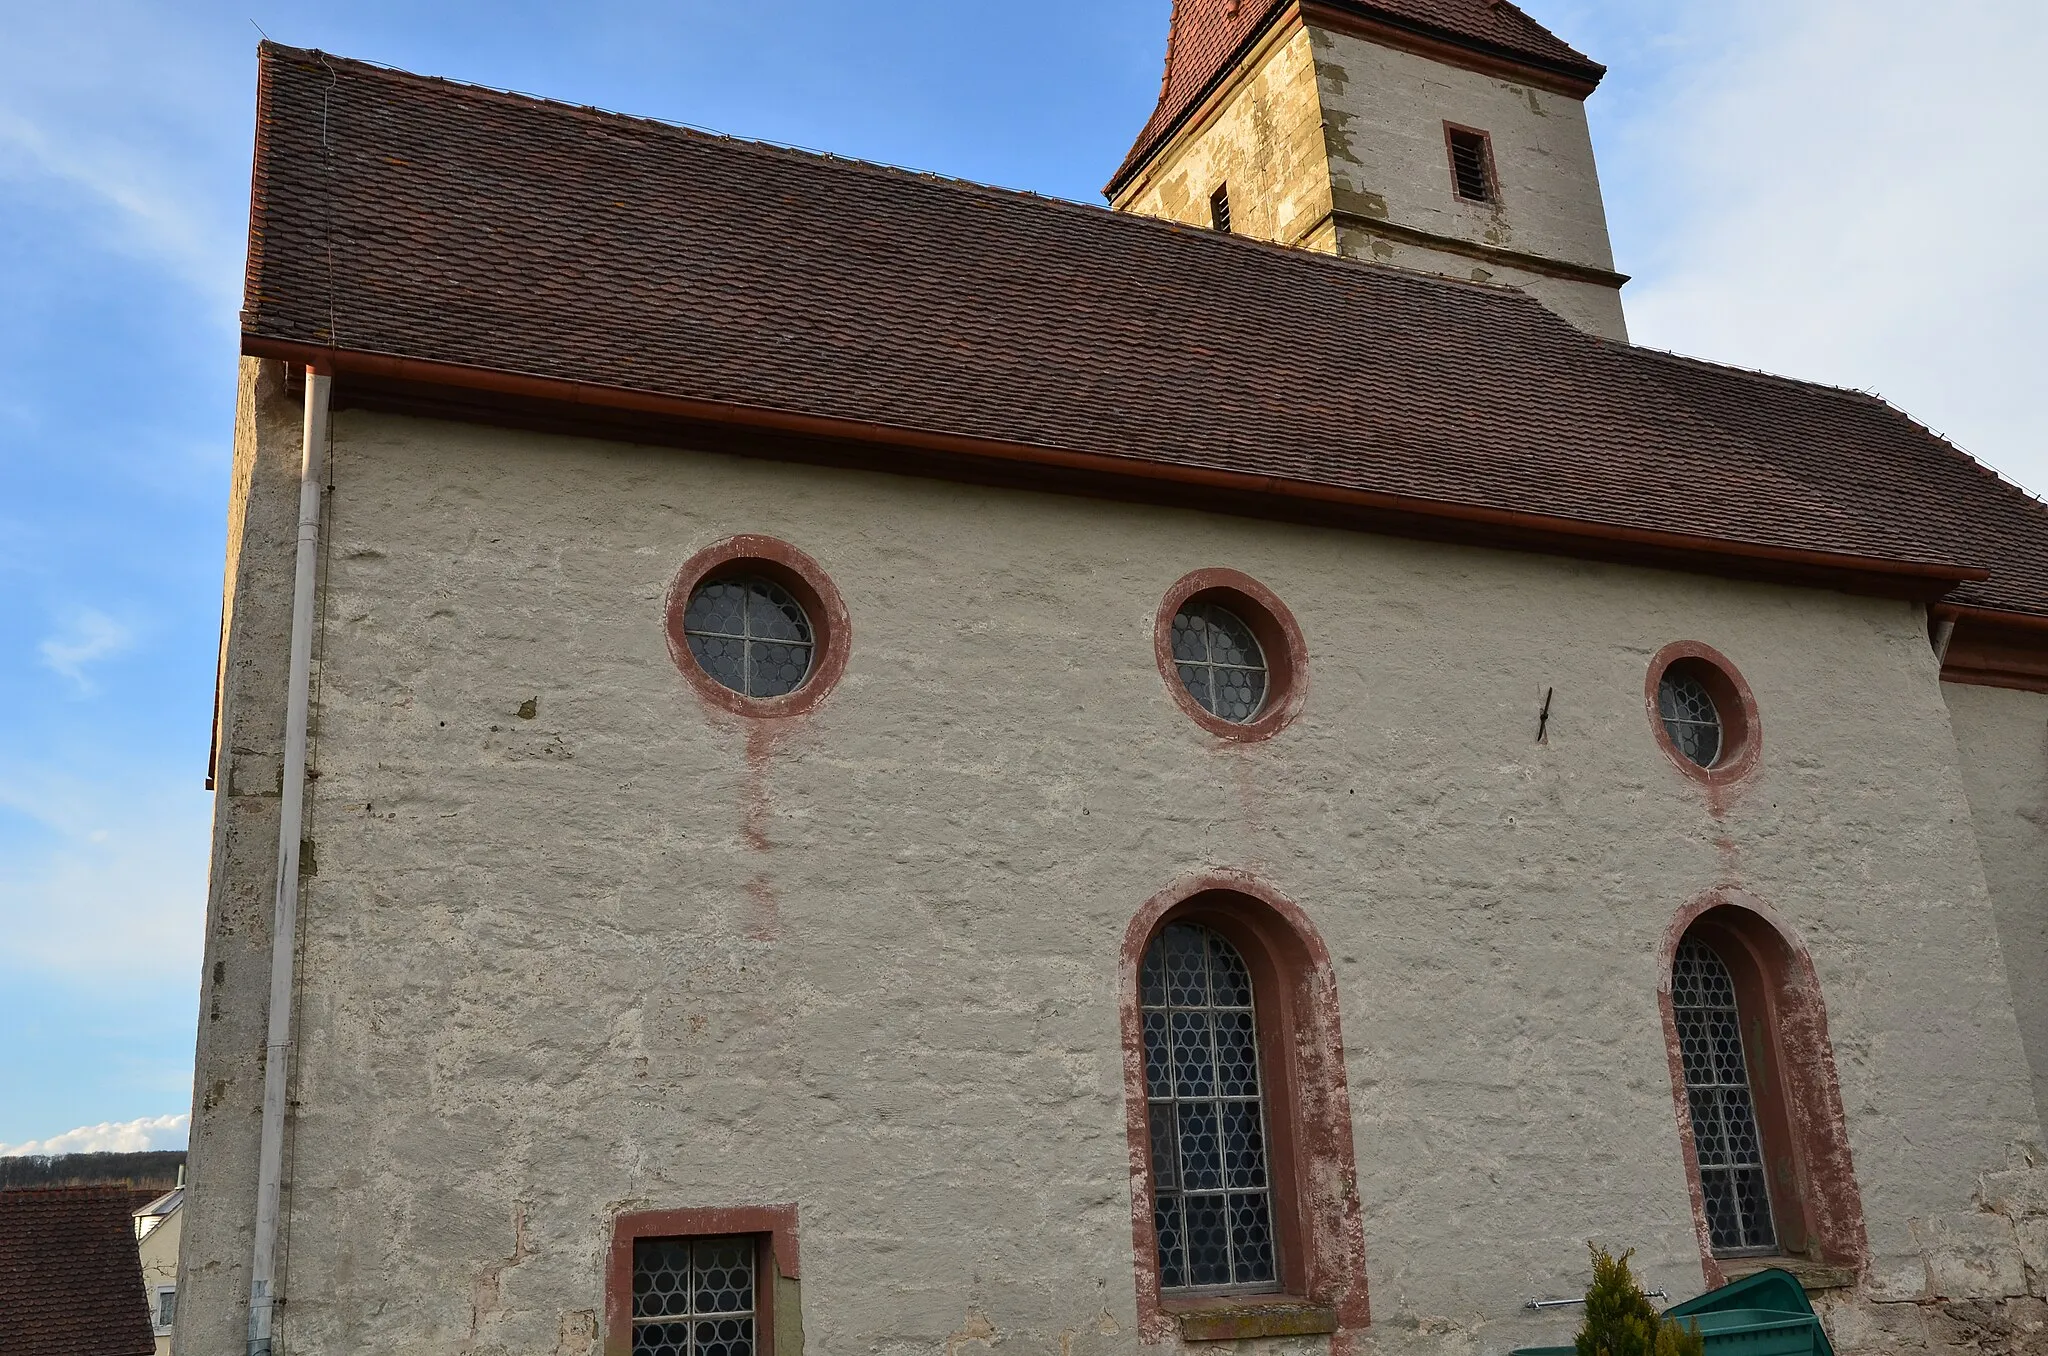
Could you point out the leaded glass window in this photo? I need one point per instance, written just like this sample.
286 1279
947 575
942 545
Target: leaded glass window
1211 1197
750 635
693 1297
1220 662
1724 1128
1690 718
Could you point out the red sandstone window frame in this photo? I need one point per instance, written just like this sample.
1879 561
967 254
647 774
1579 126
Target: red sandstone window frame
1742 730
806 581
1279 637
1317 1219
775 1261
1815 1203
1452 131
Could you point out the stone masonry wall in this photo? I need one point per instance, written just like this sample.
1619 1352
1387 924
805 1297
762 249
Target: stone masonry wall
2002 736
1983 1285
576 943
1266 143
219 1214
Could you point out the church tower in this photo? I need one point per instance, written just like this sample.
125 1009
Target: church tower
1446 136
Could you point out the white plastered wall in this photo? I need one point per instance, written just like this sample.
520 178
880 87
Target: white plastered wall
2002 736
1384 111
548 974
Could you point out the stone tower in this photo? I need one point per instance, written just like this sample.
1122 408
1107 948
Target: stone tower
1447 136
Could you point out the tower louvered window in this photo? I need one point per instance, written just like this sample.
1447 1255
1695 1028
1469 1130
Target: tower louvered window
1219 209
1724 1121
1211 1194
1471 165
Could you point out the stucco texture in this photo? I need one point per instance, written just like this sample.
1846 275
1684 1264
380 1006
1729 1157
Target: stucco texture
2002 736
631 952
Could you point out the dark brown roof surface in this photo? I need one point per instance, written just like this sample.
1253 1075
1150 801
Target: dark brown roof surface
70 1276
1206 37
405 216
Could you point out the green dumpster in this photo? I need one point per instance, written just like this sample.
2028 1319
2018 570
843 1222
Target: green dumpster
1767 1314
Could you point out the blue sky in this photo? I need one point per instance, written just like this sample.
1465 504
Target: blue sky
1835 189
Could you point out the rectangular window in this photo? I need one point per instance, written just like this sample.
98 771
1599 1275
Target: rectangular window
702 1282
1219 208
1471 163
166 1308
694 1296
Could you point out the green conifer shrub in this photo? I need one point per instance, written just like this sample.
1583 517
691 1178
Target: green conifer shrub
1621 1321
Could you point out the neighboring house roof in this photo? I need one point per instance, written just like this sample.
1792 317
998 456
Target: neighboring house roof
70 1277
155 1212
443 234
1207 38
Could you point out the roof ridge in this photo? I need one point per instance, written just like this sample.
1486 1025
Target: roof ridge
1851 394
78 1189
861 297
1095 211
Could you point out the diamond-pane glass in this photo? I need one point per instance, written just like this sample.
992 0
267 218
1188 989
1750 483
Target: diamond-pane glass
1724 1129
1211 1198
1219 662
693 1296
1690 718
749 635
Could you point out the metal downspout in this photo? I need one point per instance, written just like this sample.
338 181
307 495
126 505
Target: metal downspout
284 931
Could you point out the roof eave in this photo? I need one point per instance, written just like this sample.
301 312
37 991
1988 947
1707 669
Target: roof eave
492 395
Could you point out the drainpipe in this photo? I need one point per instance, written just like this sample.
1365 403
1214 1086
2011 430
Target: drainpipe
284 927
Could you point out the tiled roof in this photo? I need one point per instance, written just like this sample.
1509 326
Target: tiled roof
70 1276
1207 36
403 216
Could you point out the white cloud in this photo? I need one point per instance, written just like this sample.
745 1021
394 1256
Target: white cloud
91 636
125 1137
1844 190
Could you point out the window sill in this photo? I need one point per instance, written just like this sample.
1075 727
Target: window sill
1224 1320
1813 1277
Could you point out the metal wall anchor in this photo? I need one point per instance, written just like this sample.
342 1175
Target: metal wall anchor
1560 1304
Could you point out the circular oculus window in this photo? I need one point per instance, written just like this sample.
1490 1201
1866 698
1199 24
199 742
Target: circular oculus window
1703 712
1691 720
1219 662
1231 654
757 627
749 635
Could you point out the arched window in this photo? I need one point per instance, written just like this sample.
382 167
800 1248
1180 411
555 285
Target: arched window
1244 1203
1211 1190
1724 1125
1765 1141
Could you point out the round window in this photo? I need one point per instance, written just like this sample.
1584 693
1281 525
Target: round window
750 635
756 627
1219 662
1231 655
1703 713
1690 718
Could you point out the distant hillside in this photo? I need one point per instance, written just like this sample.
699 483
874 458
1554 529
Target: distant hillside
157 1169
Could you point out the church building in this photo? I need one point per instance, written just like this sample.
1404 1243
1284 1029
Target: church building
815 758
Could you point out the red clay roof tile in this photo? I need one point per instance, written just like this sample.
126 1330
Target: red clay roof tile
70 1275
400 215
